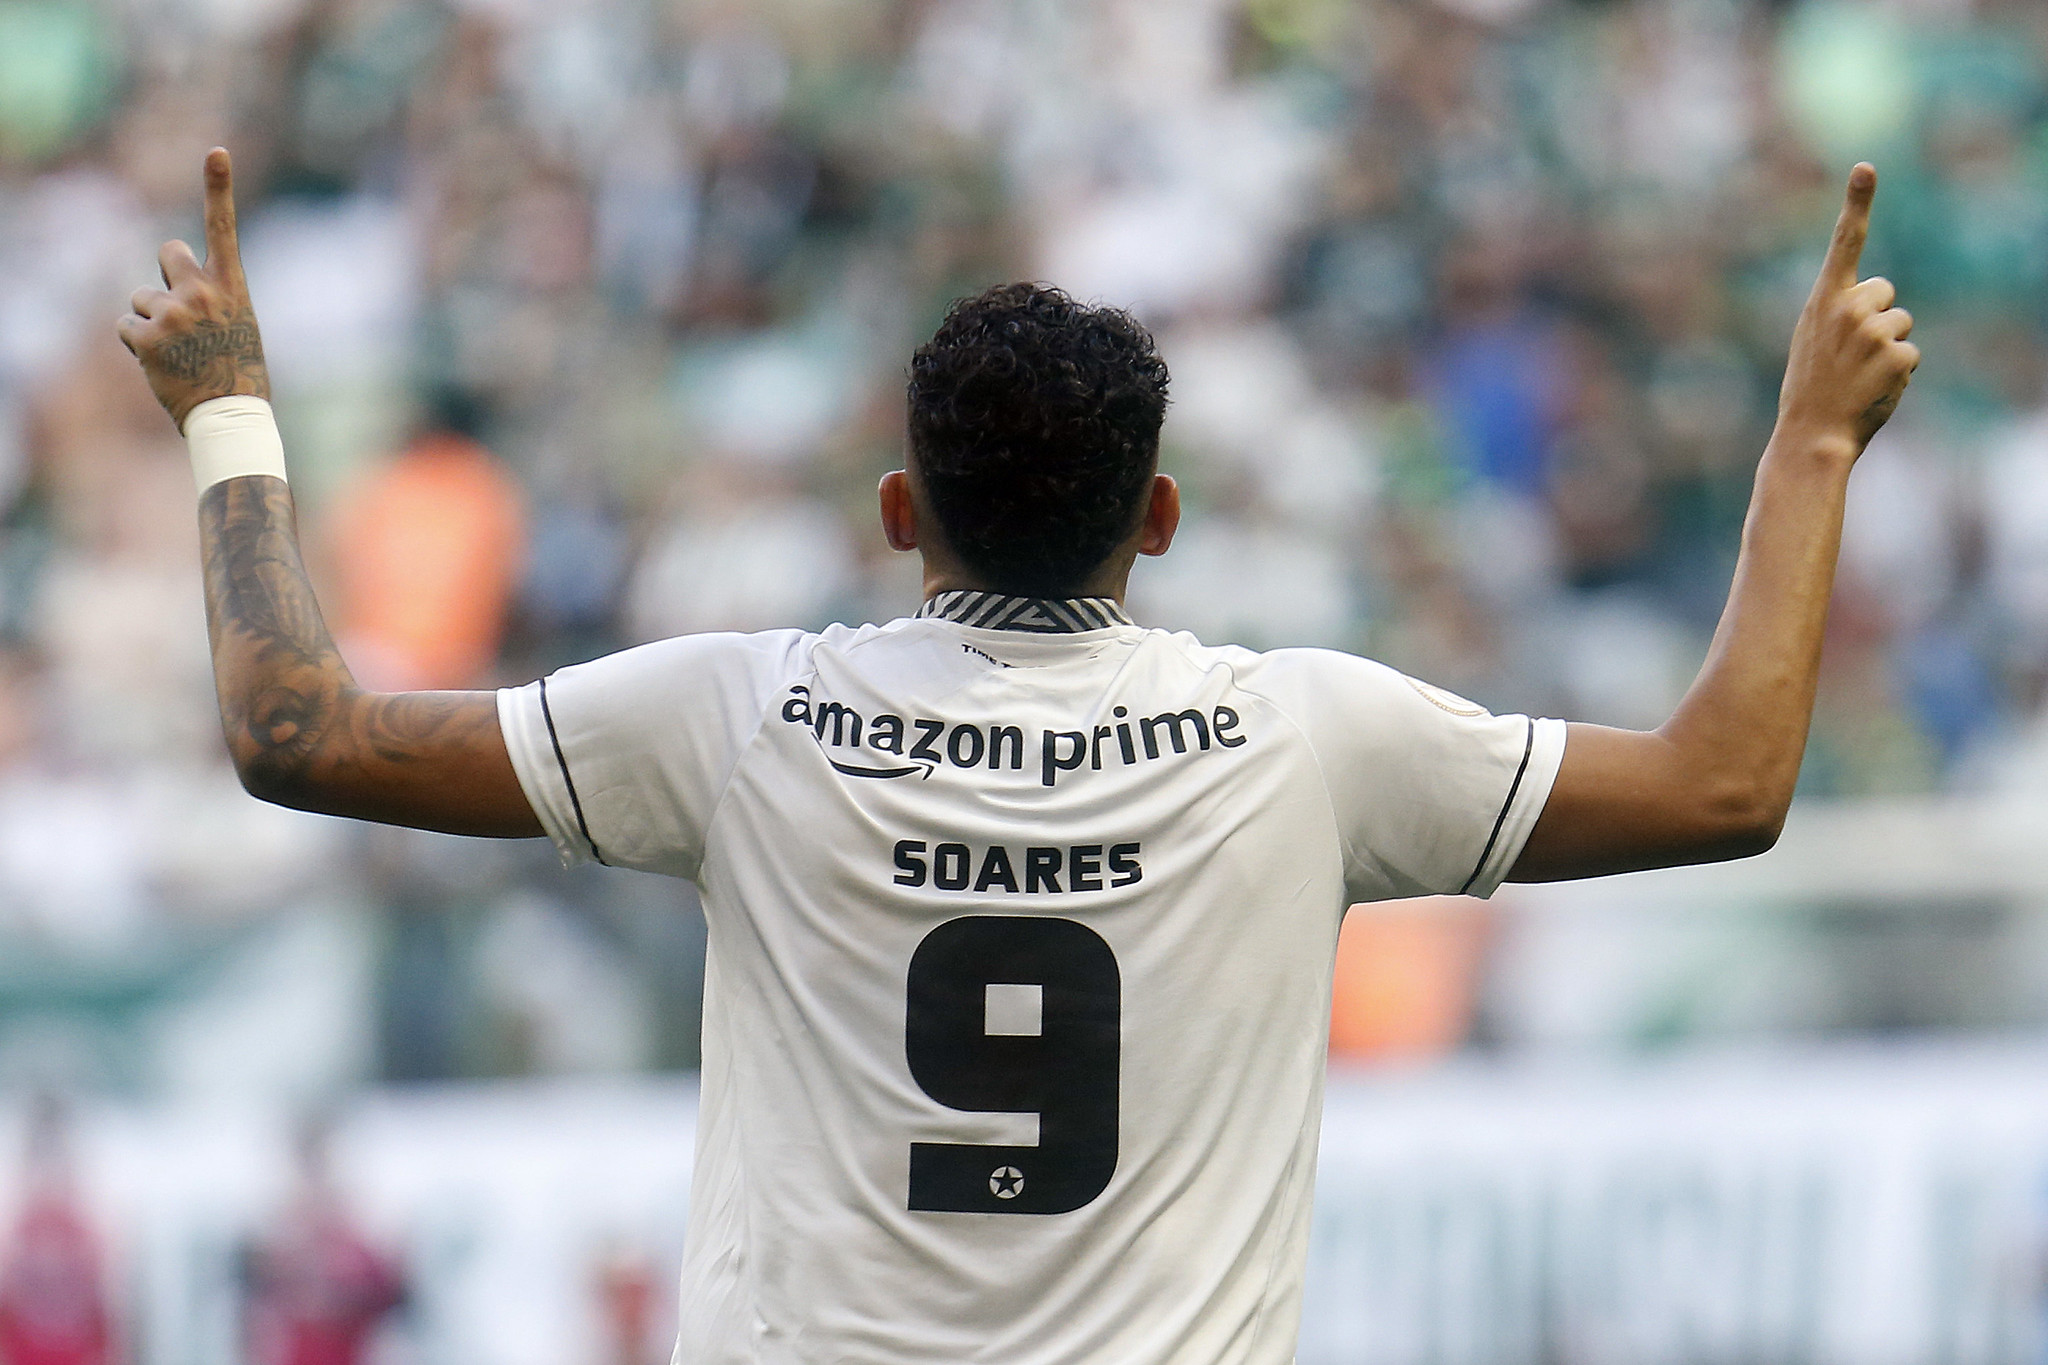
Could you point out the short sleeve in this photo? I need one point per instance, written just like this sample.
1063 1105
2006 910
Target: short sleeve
624 759
1432 794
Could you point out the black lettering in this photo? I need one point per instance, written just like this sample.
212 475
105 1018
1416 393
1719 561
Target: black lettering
996 735
950 864
996 870
1052 762
1084 867
1124 863
1041 869
1226 719
886 734
927 731
973 755
1172 722
798 708
1102 732
842 719
1124 742
907 851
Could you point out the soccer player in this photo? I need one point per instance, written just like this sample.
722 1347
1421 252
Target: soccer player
1021 914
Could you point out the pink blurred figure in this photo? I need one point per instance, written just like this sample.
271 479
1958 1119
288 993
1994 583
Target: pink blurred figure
53 1305
317 1286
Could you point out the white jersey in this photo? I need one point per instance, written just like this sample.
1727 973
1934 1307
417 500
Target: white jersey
1020 951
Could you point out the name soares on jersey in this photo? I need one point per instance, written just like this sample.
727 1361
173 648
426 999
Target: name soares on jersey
889 746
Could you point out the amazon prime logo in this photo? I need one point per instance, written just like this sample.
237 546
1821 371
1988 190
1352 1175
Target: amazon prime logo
889 745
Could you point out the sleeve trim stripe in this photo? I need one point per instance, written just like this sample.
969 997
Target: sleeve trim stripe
1528 747
576 802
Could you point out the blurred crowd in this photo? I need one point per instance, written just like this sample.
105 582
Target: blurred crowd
302 1259
588 322
314 1290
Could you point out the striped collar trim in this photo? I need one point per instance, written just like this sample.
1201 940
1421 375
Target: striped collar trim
1039 615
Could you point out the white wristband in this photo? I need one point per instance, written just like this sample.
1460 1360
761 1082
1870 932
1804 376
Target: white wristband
233 436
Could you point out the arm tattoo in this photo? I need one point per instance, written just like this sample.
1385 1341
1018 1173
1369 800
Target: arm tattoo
299 728
279 674
218 355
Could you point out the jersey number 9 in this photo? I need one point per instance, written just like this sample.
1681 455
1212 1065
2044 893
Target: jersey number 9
1063 1064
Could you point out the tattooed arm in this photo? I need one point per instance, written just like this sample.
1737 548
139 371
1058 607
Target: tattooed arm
300 730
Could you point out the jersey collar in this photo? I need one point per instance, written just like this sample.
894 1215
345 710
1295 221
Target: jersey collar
1039 615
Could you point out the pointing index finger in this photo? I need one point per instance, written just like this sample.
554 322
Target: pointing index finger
1852 229
223 251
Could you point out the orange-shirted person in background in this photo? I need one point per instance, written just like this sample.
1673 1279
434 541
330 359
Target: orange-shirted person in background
53 1302
429 549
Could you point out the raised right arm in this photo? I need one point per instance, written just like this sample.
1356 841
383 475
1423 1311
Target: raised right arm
300 731
1715 781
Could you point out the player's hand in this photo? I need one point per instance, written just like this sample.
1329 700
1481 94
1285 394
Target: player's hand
196 337
1850 359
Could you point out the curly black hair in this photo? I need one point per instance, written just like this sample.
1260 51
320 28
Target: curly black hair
1034 426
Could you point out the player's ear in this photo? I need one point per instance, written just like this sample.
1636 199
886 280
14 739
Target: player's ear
1162 517
899 514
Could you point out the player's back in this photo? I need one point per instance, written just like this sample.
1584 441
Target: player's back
1020 951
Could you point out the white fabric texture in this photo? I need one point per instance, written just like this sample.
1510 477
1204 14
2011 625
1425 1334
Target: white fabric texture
230 437
1162 846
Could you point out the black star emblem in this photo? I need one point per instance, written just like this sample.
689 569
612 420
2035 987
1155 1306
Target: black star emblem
1006 1182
